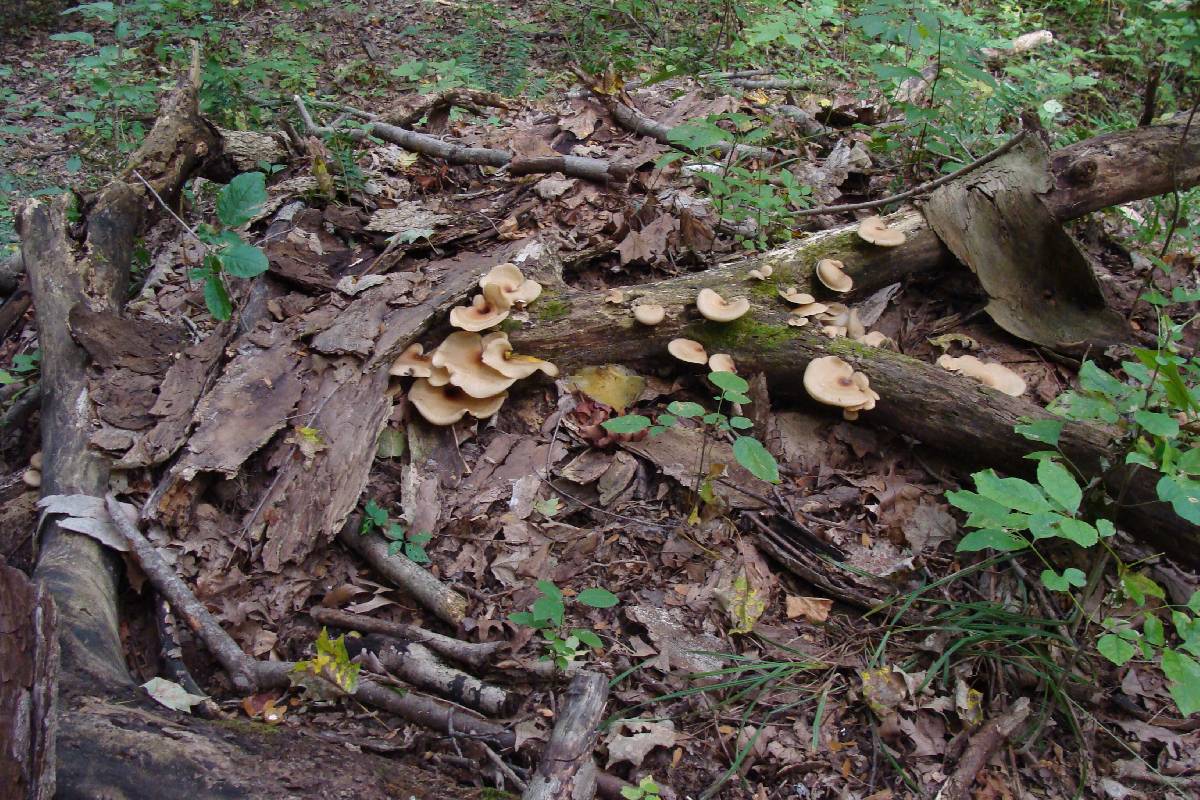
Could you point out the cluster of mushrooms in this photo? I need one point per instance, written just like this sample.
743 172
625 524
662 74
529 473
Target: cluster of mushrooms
470 372
828 380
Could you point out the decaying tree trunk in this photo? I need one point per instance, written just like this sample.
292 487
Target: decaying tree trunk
28 687
566 770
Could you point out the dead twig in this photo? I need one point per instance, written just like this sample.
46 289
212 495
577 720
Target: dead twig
986 741
472 654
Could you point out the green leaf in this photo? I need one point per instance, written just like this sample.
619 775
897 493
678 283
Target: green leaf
1152 629
588 637
991 539
1063 583
548 609
630 423
1184 673
1060 485
1094 379
685 410
728 382
243 260
1193 602
549 589
415 553
1013 493
1157 424
75 36
751 454
523 618
1115 649
1078 531
1138 587
597 598
1183 494
1105 528
984 511
1042 430
741 423
735 397
216 298
1189 462
242 199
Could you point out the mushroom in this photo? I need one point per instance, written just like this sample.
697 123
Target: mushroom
763 272
875 230
498 354
991 374
718 309
796 297
797 322
35 460
829 273
462 355
32 477
447 405
721 362
832 381
412 363
649 313
484 311
510 284
439 376
688 350
874 339
810 309
833 331
615 296
854 326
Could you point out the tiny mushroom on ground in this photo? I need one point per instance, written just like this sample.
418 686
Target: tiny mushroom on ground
35 460
649 313
721 362
876 231
510 284
716 308
498 354
447 405
832 381
688 350
412 363
991 374
829 273
462 355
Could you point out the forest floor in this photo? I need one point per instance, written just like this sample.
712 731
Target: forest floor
732 677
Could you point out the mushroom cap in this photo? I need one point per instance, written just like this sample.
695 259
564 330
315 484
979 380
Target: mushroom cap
875 230
829 273
483 312
32 477
462 355
836 314
649 313
440 376
874 339
762 273
512 284
412 363
688 350
447 405
713 306
797 322
796 297
854 326
831 381
615 296
833 331
498 354
810 309
35 460
722 362
991 374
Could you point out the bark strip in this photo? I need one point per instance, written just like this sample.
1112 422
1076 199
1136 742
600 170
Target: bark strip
566 770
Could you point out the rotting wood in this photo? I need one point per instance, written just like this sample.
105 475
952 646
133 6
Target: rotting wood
566 770
445 603
28 687
224 649
416 664
473 654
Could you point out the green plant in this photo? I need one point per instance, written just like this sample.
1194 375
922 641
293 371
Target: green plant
646 789
329 672
547 615
1156 411
226 251
24 370
747 450
411 544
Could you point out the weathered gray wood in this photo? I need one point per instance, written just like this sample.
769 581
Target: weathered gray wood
416 664
1040 283
566 770
28 688
473 654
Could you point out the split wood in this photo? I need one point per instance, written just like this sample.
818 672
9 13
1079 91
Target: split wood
567 770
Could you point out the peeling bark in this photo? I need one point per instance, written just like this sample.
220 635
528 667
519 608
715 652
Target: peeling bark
566 770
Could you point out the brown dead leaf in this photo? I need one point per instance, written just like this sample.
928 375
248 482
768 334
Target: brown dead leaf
642 737
813 609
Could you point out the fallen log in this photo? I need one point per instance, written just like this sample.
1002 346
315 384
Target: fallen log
566 770
473 654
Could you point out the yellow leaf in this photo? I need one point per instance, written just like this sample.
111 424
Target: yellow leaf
610 384
746 605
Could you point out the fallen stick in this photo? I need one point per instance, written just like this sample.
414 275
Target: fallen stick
229 655
447 604
473 654
567 770
416 664
983 743
592 169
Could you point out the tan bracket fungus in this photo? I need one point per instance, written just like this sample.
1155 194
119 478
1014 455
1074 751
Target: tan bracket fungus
498 354
461 354
412 363
502 287
832 381
722 362
988 373
447 405
829 273
649 313
875 230
688 350
716 308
